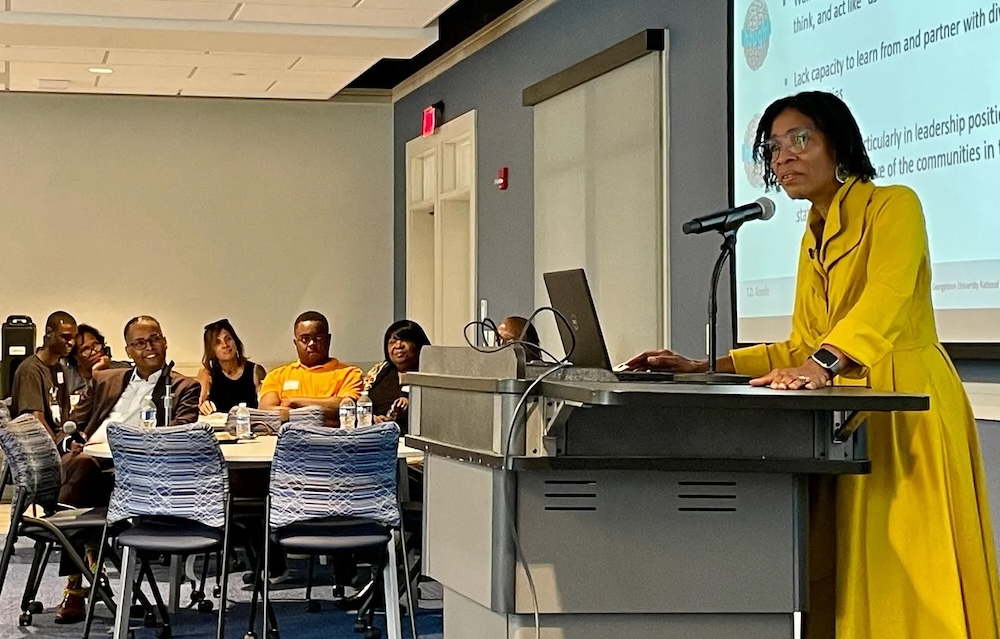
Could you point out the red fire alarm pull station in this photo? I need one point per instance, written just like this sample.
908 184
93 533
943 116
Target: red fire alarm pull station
431 120
501 180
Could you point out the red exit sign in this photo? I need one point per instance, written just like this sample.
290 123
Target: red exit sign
431 120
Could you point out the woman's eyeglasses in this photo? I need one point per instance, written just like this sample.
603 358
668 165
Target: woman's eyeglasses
795 141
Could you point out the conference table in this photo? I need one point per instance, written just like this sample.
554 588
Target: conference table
244 455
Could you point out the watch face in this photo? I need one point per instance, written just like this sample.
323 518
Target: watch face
826 358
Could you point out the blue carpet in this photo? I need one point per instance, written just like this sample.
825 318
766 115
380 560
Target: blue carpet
293 620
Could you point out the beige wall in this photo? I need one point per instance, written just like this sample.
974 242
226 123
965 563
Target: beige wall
196 209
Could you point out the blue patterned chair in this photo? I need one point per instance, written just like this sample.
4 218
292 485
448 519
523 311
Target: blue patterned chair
172 487
334 491
34 466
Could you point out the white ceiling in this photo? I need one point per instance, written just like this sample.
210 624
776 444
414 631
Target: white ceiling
291 49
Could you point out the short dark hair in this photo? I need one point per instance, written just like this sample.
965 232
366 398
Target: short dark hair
208 359
312 316
56 319
833 118
136 320
87 329
407 331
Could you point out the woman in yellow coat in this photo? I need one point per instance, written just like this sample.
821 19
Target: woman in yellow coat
914 552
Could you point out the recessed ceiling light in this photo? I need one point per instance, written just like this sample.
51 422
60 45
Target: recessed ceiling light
101 70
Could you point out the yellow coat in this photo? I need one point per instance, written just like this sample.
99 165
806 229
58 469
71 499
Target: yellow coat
915 555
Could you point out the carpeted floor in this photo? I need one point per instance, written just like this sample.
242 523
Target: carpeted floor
293 620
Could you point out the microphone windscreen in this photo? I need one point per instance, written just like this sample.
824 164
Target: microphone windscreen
766 207
69 427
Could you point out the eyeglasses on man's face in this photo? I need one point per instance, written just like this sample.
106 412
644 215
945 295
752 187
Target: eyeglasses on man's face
140 344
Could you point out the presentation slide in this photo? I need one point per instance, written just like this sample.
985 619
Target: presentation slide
921 78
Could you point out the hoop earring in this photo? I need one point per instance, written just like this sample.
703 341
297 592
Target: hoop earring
841 174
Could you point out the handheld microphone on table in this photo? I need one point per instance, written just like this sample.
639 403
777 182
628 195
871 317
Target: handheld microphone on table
72 432
727 223
168 393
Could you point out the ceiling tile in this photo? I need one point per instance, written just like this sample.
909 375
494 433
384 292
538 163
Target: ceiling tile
326 63
52 54
202 59
172 9
248 81
137 76
414 18
28 73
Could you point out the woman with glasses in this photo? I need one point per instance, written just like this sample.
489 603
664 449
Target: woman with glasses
906 551
401 346
90 354
227 377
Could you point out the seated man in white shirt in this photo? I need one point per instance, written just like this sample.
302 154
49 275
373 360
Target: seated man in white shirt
117 396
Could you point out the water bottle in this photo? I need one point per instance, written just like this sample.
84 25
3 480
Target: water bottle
364 410
243 430
147 412
347 413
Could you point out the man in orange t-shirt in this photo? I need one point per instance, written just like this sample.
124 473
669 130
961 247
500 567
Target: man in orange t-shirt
316 379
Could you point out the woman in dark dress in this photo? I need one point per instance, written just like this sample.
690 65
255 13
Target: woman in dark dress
227 377
401 347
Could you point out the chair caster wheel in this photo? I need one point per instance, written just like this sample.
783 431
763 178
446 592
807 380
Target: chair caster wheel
149 620
248 578
36 608
24 619
360 627
164 633
273 634
217 591
197 595
373 633
131 634
205 606
250 635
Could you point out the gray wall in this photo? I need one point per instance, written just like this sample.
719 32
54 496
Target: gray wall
491 81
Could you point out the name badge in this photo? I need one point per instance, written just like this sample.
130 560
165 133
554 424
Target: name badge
291 385
59 378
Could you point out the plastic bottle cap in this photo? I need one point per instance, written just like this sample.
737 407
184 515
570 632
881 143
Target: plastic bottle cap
243 404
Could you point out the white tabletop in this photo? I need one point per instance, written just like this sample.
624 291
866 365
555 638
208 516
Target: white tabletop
253 451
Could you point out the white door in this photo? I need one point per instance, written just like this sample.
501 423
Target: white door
441 230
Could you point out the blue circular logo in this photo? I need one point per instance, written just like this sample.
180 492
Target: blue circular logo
753 170
756 34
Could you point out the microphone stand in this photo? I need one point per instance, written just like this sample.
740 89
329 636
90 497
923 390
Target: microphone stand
168 394
726 252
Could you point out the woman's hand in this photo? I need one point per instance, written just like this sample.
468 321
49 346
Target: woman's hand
207 407
666 360
102 364
809 376
399 407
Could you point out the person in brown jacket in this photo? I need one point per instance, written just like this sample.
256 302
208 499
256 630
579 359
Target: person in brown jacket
117 395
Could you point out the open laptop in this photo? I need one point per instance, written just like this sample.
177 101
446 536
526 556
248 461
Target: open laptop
569 293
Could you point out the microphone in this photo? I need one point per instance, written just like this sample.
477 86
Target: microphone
72 432
731 219
168 393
